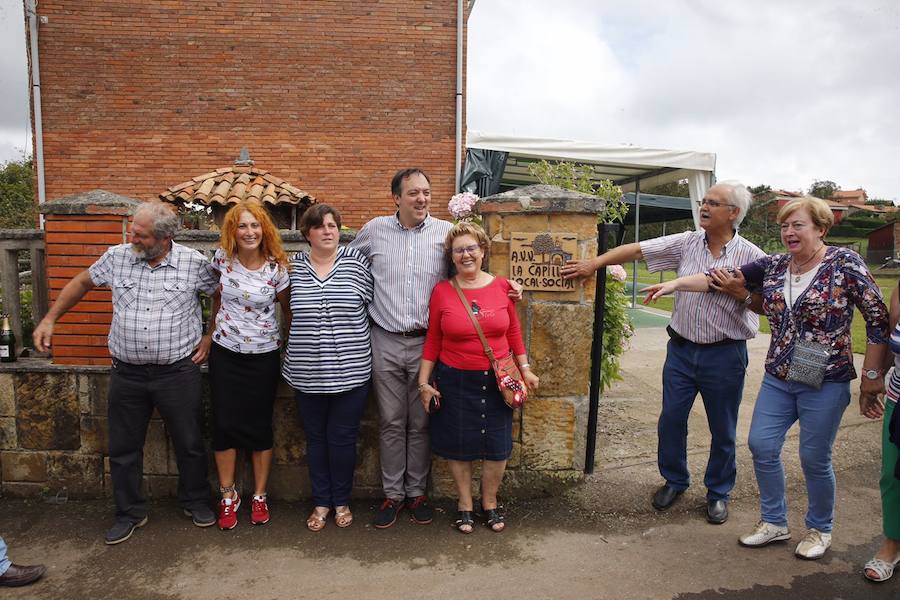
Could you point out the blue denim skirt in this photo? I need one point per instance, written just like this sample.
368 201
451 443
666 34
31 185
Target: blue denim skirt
473 423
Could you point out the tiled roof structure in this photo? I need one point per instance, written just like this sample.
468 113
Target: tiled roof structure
230 185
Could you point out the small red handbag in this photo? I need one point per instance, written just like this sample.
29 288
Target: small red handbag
509 377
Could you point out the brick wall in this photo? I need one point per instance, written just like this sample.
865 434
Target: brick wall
332 96
73 243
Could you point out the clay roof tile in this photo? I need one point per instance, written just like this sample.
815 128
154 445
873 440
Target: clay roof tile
232 184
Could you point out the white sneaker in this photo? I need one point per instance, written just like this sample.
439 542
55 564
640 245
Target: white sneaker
764 533
814 545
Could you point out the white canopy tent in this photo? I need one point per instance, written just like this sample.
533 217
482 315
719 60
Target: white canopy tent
630 167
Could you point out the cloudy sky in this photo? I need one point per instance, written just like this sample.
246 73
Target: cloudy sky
783 91
14 127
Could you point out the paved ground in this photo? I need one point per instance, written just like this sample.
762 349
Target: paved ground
599 540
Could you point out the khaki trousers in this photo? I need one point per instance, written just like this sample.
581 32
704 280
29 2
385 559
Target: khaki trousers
404 448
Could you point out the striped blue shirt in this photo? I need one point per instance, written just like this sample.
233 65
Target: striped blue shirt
701 317
406 265
329 349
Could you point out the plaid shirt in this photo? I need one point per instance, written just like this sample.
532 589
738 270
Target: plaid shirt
156 310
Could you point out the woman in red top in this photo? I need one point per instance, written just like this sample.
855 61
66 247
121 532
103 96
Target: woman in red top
472 421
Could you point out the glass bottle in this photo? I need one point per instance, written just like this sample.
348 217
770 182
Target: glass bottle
7 342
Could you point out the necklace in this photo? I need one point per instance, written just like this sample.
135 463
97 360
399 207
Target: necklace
799 266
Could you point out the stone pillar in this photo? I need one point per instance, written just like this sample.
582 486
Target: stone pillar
78 230
549 432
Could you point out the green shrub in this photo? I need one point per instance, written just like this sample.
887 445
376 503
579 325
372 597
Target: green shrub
848 231
16 195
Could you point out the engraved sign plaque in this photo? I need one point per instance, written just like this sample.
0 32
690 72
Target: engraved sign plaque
536 260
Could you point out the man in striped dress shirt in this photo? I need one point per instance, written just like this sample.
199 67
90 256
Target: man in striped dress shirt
707 352
406 251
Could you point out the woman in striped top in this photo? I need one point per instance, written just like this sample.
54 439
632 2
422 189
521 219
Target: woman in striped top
329 358
881 567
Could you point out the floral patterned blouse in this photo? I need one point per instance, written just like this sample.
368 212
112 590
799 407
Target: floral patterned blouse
824 311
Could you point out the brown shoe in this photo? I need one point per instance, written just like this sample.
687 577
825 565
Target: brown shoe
18 575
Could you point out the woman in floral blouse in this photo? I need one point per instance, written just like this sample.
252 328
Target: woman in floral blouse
808 293
245 354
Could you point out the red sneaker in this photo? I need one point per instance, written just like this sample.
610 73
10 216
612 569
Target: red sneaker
228 512
259 511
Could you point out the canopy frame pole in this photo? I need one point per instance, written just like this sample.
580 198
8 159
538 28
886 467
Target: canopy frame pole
637 238
663 235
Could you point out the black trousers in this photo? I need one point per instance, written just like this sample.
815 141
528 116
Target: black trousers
134 391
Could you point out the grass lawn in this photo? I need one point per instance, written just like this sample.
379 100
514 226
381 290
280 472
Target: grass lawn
858 329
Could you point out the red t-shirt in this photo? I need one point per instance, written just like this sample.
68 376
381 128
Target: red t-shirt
451 335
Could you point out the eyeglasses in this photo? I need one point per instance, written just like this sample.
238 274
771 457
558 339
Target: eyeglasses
713 203
470 249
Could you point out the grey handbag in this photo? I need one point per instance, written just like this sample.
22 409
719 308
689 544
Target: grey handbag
810 359
808 363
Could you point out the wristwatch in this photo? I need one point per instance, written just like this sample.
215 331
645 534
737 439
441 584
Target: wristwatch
748 300
872 374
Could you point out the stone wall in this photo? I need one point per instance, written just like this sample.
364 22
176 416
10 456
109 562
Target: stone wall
53 437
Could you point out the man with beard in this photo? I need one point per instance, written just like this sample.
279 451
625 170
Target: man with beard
153 339
707 352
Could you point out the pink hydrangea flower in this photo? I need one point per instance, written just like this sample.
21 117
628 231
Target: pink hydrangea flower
617 272
462 205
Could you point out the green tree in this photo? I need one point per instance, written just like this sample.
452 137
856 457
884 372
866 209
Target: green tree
677 189
823 189
759 225
17 195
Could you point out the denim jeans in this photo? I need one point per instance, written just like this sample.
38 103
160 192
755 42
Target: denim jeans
4 560
331 423
174 390
717 372
779 404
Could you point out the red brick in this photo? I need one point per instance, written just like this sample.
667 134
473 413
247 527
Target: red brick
81 317
60 349
83 238
75 261
93 225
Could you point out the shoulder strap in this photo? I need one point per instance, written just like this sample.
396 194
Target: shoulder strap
487 348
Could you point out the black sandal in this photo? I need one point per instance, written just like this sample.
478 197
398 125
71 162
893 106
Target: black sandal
494 517
479 509
464 519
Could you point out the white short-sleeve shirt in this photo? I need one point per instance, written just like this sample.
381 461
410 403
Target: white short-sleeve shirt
246 320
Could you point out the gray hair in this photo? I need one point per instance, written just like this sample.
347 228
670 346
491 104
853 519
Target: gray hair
165 220
738 196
